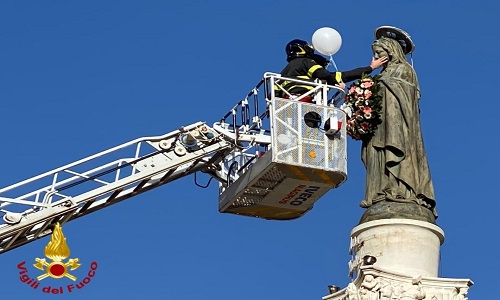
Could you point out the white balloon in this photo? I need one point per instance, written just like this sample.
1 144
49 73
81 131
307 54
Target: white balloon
327 41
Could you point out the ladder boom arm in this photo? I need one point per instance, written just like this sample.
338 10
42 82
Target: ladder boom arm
32 207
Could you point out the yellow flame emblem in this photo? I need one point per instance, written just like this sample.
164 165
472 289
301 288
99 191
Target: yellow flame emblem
57 250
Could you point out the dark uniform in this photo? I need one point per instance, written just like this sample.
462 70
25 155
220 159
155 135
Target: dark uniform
306 65
308 69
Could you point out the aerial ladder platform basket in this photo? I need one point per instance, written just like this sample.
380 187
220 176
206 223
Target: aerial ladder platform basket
305 157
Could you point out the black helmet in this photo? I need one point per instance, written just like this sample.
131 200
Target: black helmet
298 48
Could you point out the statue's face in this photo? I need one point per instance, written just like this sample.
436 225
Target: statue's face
379 52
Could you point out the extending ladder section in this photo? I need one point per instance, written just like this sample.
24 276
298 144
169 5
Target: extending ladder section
31 208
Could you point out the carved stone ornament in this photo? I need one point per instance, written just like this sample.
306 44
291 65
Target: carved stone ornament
378 284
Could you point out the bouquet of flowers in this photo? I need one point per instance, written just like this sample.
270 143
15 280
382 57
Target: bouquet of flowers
363 104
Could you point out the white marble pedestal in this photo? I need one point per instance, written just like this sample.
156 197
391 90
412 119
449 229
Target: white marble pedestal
397 259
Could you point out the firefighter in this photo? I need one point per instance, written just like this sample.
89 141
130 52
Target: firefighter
304 64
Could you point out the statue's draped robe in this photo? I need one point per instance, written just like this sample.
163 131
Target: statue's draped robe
395 158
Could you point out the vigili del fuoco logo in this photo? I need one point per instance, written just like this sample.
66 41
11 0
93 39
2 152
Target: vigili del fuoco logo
57 264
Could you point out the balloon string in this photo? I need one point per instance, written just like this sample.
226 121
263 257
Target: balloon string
333 63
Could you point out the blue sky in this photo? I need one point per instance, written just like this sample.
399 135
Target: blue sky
78 77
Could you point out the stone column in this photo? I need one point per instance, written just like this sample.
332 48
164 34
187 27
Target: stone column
401 245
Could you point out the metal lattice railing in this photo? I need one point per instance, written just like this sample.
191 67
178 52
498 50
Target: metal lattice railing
249 124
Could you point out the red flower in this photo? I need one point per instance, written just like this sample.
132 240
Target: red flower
368 94
366 84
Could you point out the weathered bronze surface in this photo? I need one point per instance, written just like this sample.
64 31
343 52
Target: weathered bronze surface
398 180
